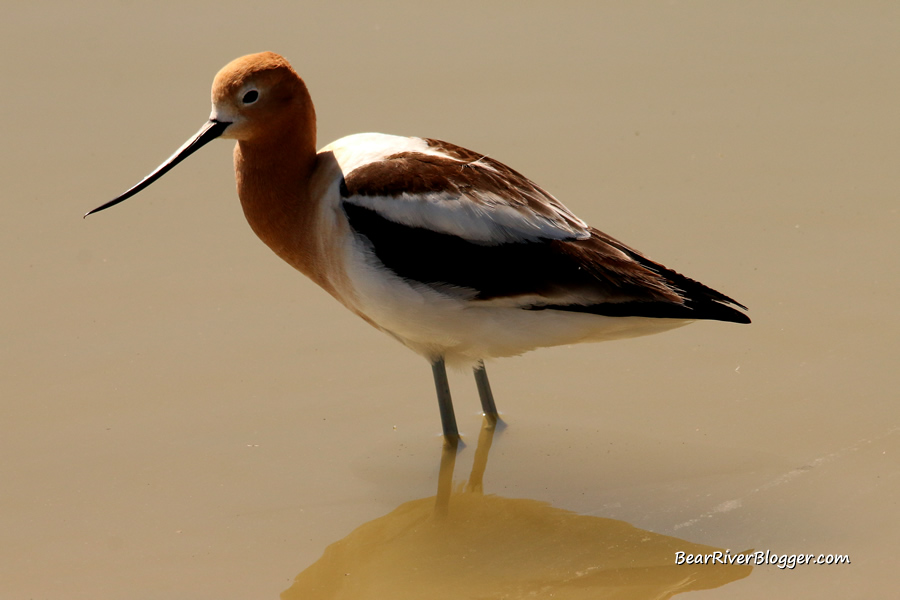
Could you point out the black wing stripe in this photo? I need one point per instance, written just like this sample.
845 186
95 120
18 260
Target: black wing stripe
549 268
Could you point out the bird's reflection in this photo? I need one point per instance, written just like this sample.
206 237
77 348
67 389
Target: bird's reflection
463 544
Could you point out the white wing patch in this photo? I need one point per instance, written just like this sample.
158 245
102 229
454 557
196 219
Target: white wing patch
490 221
357 150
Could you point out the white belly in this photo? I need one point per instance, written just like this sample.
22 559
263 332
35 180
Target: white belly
462 330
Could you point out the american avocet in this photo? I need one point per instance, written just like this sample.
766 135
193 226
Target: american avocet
451 252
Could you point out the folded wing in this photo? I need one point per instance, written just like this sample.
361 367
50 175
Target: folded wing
469 226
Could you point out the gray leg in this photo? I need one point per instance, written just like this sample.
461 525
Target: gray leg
484 391
448 419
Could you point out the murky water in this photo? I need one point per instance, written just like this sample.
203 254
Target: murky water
185 416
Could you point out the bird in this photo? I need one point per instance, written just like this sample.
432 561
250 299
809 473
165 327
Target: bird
454 254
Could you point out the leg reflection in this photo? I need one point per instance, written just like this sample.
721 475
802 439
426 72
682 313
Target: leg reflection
479 464
448 462
445 475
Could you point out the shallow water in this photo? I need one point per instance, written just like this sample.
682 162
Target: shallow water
185 416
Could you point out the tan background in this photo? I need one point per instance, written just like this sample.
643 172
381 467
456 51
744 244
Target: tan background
185 417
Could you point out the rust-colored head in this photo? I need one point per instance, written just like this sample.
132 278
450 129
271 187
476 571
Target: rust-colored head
258 100
261 96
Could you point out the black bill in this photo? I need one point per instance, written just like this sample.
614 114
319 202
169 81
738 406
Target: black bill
210 131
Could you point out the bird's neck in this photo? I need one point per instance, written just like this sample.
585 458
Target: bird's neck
273 177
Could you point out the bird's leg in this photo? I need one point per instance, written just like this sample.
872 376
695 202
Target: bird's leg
448 419
484 391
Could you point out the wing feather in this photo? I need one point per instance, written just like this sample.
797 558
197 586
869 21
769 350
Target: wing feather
597 275
451 190
466 225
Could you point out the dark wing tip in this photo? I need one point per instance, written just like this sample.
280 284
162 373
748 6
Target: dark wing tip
699 300
717 311
691 310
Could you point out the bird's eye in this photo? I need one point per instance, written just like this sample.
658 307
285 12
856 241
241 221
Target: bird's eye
250 97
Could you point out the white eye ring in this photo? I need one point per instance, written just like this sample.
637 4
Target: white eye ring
250 96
